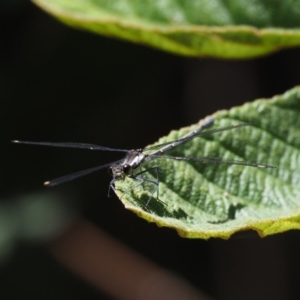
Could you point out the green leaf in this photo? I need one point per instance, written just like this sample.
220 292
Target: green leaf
227 28
204 200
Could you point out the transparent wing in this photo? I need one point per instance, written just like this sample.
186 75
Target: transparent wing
213 160
70 145
75 175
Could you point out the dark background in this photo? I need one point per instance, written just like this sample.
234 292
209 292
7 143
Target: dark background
61 84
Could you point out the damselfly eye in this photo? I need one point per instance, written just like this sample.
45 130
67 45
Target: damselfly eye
110 171
126 168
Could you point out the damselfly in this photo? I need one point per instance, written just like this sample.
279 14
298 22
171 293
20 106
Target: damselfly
130 166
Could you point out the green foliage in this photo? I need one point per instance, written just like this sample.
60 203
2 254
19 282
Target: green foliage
212 200
225 29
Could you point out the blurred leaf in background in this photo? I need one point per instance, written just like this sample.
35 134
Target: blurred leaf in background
223 29
32 219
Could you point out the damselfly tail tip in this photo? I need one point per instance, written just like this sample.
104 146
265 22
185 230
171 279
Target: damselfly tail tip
15 141
47 183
